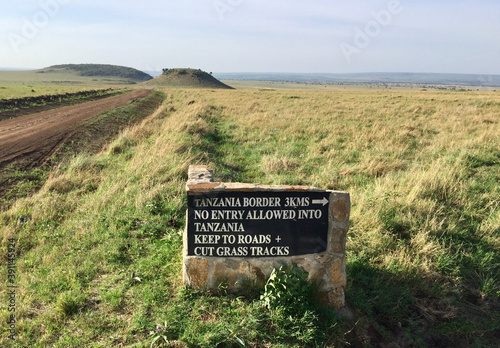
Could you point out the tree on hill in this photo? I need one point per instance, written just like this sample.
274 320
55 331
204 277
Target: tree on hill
187 77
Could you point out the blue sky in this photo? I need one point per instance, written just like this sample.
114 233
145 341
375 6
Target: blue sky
331 36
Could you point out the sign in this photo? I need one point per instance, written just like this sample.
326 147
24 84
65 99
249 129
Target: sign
257 224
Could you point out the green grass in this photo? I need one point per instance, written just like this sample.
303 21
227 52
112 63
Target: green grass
80 76
23 90
99 261
54 100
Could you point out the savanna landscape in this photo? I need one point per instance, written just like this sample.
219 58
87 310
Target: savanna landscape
92 218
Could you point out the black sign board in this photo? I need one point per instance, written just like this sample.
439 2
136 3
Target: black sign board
257 224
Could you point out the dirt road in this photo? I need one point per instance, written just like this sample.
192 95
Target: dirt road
34 138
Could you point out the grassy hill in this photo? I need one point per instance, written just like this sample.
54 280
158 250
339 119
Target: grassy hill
75 74
104 70
98 250
186 78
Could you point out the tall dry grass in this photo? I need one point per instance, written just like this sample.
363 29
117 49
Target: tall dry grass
422 169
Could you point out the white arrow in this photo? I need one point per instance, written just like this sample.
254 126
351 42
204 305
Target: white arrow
323 201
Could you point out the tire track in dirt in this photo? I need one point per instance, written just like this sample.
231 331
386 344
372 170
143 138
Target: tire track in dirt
34 138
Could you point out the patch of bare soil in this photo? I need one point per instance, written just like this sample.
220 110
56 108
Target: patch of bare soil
34 138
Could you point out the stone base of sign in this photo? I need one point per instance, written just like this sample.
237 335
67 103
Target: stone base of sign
327 268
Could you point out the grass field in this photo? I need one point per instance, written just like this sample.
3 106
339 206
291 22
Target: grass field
14 107
327 86
54 80
31 90
98 248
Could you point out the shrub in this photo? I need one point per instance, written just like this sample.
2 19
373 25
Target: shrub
288 289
